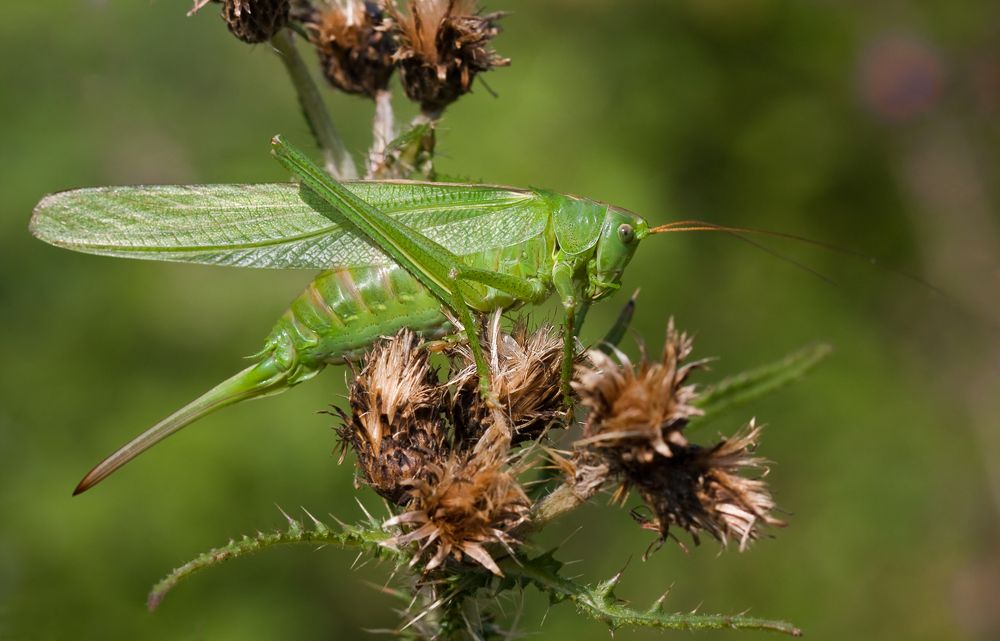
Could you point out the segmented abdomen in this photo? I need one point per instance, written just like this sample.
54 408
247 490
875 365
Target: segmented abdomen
343 311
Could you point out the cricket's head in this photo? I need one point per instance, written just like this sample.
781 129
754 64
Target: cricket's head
616 245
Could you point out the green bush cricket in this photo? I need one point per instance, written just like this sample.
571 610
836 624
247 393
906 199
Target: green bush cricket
396 254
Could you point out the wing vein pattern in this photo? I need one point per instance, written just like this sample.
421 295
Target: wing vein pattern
278 225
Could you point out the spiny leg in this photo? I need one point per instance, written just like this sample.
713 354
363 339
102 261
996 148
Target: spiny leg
574 308
525 289
461 308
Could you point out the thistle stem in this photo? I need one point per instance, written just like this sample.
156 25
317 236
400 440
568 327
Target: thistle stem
561 500
336 158
598 601
565 498
298 533
383 130
588 479
427 117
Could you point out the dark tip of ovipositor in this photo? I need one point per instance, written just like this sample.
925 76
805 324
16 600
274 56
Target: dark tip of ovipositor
86 483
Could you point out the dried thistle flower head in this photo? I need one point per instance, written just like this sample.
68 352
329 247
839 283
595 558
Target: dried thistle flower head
459 507
355 50
701 489
637 414
526 369
254 21
443 45
394 426
638 410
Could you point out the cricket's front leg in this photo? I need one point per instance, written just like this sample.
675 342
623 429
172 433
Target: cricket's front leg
575 309
526 290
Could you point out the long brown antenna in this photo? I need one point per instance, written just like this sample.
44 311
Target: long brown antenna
700 225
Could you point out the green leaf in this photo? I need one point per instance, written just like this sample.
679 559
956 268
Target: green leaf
747 386
599 602
368 537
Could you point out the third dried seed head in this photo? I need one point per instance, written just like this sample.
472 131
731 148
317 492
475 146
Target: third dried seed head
443 46
636 423
354 43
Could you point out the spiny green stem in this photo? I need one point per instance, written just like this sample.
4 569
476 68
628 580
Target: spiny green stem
599 602
336 158
366 538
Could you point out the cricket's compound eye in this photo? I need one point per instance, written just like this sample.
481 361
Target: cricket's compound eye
625 233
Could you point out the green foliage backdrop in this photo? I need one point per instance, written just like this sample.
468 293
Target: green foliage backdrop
869 127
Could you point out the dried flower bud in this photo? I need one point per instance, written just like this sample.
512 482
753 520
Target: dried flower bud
638 411
254 21
394 426
442 46
459 507
699 489
355 50
635 424
526 374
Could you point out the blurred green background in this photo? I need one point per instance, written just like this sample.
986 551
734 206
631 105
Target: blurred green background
870 127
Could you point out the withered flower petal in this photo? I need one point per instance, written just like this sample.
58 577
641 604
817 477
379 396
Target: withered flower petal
395 384
354 46
638 410
699 489
443 45
394 426
458 507
526 373
637 414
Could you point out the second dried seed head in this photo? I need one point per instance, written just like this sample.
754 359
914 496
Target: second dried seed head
443 46
354 44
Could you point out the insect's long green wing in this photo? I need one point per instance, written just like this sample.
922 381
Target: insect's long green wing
278 225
